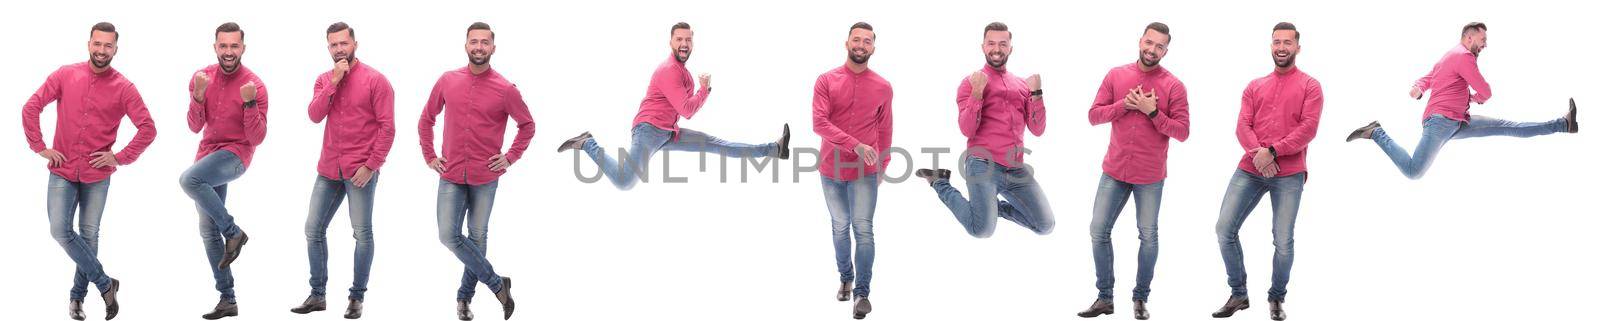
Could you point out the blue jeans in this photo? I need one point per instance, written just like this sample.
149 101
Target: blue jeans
1437 130
89 201
1025 203
206 182
469 204
1244 192
851 204
1108 204
647 140
325 197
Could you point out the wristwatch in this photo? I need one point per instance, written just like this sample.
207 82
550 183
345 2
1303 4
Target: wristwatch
1038 92
250 104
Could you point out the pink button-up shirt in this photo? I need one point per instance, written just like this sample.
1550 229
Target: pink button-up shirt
995 121
849 109
360 114
227 124
474 123
671 94
1280 111
89 109
1449 80
1138 151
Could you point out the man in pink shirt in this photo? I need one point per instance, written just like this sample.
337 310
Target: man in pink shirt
228 105
1146 106
476 102
669 97
851 108
91 101
1278 117
1456 83
358 104
993 108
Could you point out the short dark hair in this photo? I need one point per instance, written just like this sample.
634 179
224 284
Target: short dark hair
865 26
229 27
1479 26
996 26
106 27
341 26
481 26
680 25
1160 27
1289 27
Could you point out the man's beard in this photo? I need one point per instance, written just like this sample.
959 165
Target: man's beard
94 59
479 61
350 57
859 56
1144 58
223 63
997 63
681 55
1286 61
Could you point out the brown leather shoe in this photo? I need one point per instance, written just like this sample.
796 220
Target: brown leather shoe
505 297
231 250
75 310
1099 307
353 311
1234 304
844 292
575 142
1139 313
110 297
463 310
1277 310
312 304
223 309
862 307
1365 132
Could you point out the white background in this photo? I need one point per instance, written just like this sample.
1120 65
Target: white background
1500 229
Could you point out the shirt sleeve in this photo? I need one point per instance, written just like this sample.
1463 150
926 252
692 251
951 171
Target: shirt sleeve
383 111
1247 116
140 116
430 114
255 118
1310 115
822 124
1106 106
1174 122
47 93
969 110
518 111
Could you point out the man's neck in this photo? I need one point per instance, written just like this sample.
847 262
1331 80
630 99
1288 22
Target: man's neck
855 67
478 69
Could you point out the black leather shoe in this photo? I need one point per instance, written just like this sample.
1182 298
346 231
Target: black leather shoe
230 251
863 306
223 309
1365 132
463 310
933 174
1277 310
1139 313
1572 116
783 143
75 310
575 142
312 304
844 292
505 297
110 297
1099 307
353 311
1235 304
